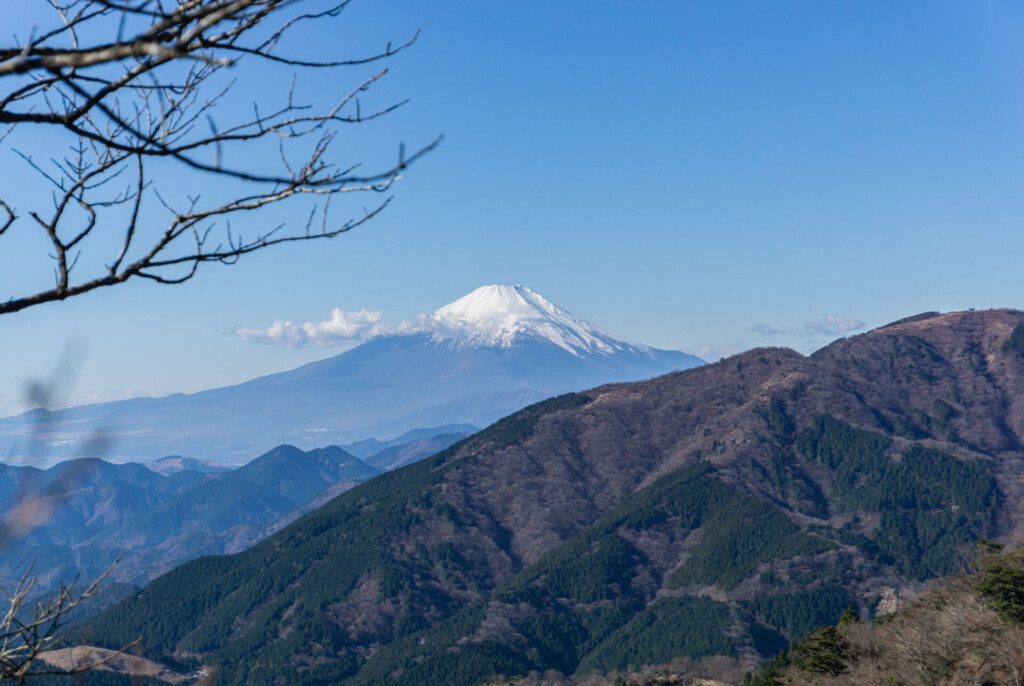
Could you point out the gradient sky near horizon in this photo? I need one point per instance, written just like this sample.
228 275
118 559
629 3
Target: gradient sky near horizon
704 176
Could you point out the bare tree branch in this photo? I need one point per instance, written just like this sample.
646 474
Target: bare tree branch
152 92
24 638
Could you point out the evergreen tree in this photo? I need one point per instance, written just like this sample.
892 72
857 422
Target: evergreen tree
1002 586
822 652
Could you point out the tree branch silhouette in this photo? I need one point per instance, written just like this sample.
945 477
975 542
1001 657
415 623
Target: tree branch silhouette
148 92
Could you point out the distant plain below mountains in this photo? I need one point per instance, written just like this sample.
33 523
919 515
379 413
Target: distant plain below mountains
77 517
473 361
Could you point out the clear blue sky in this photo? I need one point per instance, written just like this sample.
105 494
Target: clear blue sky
677 172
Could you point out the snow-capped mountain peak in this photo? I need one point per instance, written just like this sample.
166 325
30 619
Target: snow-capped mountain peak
474 361
499 315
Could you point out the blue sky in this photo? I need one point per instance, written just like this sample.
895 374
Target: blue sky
684 174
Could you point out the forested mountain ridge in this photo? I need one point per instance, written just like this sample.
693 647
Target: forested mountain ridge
721 510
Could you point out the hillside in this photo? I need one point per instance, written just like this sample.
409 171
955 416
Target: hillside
724 510
966 630
472 361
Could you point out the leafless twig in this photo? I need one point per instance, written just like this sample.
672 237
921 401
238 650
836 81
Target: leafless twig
147 90
23 639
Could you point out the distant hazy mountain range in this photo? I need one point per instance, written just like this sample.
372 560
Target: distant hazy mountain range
377 452
77 517
471 362
177 463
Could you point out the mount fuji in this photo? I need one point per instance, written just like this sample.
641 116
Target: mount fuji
472 361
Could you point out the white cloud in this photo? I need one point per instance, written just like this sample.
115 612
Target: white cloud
710 352
833 325
766 330
342 327
828 326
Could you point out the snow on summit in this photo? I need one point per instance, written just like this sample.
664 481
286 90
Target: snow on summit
504 315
